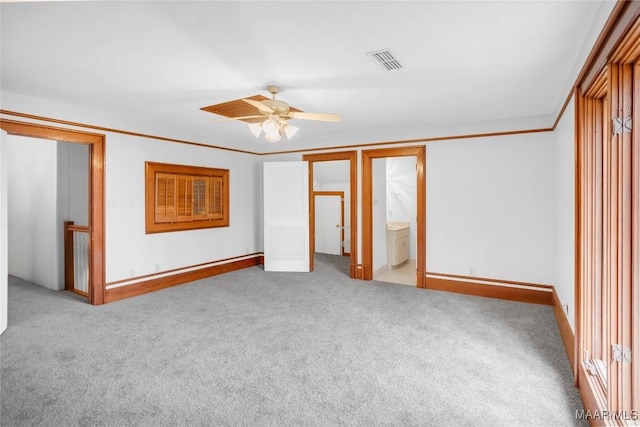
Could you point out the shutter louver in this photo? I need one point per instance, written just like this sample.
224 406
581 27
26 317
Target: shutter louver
215 210
185 198
199 198
165 200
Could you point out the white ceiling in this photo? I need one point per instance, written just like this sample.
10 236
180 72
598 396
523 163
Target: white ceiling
474 66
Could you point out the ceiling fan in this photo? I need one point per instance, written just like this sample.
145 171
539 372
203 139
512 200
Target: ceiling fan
276 115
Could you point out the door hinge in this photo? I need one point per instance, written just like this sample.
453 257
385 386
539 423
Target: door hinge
620 353
622 125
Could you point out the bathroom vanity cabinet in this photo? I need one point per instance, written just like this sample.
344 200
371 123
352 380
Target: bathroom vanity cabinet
397 243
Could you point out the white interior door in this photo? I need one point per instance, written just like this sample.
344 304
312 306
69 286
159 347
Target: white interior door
328 224
4 271
286 216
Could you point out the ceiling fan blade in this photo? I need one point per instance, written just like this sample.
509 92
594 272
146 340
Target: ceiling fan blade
323 117
240 118
259 105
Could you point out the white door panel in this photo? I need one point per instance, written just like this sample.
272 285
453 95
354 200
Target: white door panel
286 216
328 224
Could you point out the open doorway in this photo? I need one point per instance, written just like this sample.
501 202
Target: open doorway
394 219
96 226
333 185
47 187
368 204
331 208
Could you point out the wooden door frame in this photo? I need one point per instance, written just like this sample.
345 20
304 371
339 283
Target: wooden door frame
96 143
352 157
367 207
335 194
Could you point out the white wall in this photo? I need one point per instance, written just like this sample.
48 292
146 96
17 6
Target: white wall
565 210
402 196
72 196
490 207
130 252
32 212
379 218
4 272
73 182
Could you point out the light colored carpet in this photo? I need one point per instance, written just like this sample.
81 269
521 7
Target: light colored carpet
253 348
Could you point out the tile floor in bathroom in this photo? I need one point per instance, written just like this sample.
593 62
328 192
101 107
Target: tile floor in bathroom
404 274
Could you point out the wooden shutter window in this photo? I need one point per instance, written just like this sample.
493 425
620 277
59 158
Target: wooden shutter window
182 197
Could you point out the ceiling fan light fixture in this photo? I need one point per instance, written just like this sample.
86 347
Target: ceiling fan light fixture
290 131
256 129
272 137
271 127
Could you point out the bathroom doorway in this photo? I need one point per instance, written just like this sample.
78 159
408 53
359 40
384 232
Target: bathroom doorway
394 186
369 243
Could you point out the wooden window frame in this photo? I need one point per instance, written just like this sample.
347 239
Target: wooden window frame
185 219
608 221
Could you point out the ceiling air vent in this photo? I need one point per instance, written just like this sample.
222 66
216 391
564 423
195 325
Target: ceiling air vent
386 58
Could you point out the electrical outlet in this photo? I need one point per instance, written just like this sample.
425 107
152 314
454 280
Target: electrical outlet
157 267
566 308
472 271
132 272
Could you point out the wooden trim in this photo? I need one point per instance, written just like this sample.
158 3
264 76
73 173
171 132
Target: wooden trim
562 110
79 292
596 51
485 279
367 207
69 277
48 132
568 338
301 151
158 283
533 294
96 144
628 50
412 141
352 157
577 150
123 132
635 249
330 193
69 261
183 269
622 16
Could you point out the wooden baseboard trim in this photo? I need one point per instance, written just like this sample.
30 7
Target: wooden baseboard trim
180 278
568 338
358 270
531 293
